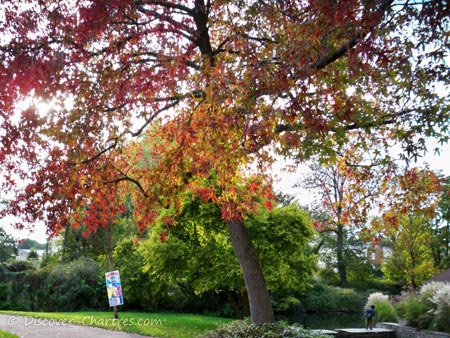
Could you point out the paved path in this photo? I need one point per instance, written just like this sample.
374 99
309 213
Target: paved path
28 327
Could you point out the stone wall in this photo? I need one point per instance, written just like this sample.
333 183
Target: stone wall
411 332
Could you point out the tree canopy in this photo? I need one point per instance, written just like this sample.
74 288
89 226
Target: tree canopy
224 85
228 79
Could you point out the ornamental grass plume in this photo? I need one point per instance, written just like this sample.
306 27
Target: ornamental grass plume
441 301
375 298
428 290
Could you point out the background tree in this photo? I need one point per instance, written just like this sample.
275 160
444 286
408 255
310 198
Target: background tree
354 256
7 246
229 80
441 228
27 243
348 191
142 291
32 255
413 198
412 261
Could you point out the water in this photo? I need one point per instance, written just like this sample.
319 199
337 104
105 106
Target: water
329 321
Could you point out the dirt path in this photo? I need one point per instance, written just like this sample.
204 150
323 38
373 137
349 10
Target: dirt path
28 327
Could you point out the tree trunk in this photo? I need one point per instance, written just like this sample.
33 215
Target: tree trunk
258 296
447 240
340 255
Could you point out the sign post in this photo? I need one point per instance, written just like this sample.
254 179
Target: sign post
114 290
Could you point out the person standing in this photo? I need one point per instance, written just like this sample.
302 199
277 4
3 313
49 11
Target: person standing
369 314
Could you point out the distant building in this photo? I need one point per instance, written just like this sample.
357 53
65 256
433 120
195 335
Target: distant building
22 254
376 255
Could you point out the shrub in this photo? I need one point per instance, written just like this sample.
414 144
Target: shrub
415 312
19 266
376 285
324 298
74 286
428 310
246 329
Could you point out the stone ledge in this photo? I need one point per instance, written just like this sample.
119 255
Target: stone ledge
375 333
328 332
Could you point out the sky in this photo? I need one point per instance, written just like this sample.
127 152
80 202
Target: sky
285 184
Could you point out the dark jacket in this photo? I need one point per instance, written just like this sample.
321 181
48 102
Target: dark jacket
370 312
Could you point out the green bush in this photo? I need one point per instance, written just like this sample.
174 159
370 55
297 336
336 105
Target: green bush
4 291
347 300
324 298
74 286
246 329
415 312
19 266
4 295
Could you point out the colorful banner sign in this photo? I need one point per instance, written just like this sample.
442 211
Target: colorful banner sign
114 288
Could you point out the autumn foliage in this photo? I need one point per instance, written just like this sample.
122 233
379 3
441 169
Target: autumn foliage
412 193
227 81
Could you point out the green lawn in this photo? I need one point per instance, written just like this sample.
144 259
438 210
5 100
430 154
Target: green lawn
4 334
165 325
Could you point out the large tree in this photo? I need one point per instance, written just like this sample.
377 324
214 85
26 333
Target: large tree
197 253
228 82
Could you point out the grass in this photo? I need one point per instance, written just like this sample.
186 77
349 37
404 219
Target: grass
164 325
4 334
385 312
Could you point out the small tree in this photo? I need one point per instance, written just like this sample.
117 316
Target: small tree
33 255
7 246
412 258
441 228
413 200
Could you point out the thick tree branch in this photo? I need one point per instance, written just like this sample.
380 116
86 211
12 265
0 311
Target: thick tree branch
129 179
385 120
166 4
384 6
